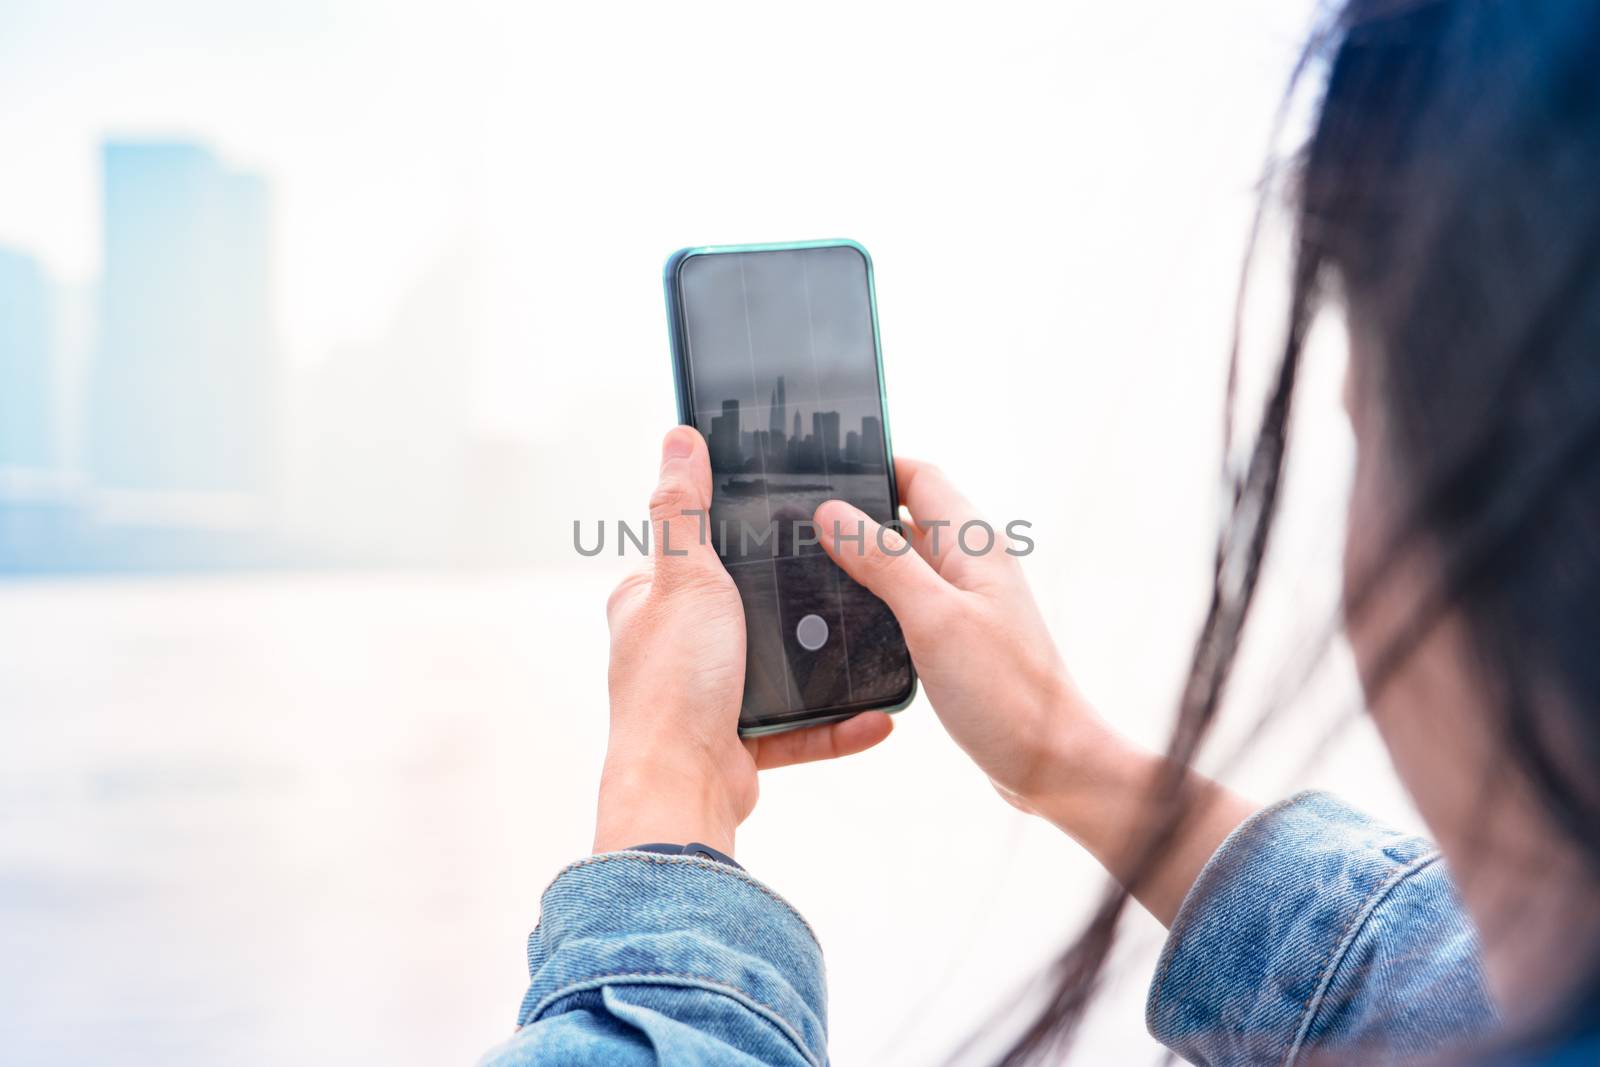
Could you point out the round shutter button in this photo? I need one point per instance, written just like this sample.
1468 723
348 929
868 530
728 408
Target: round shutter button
812 632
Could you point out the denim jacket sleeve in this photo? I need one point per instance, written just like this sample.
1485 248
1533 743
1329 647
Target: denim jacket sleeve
643 959
1314 930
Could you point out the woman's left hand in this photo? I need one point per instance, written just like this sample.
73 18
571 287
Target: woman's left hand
676 769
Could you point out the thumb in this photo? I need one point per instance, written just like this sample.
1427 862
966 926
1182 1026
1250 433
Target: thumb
679 509
883 561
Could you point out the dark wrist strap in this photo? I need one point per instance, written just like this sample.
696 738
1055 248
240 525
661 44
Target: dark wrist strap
693 848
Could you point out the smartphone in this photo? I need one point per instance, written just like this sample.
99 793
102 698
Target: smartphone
777 364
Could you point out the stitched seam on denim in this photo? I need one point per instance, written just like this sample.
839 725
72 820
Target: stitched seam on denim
695 861
1229 845
1314 1002
693 981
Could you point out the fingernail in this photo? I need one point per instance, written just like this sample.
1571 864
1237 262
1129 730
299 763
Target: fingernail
678 445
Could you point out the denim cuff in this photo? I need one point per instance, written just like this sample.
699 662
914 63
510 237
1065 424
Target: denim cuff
1248 973
641 918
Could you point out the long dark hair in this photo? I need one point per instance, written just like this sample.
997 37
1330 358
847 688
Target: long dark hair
1448 198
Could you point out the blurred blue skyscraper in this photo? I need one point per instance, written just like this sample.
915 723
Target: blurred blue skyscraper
27 368
144 420
183 393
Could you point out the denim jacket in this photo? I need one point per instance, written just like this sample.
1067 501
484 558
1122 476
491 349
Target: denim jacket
1313 934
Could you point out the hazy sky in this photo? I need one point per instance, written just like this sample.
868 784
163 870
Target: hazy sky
362 115
1055 196
564 150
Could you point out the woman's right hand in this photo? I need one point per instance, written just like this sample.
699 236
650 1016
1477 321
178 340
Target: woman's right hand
993 676
976 637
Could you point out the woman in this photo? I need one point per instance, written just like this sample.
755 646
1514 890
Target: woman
1448 204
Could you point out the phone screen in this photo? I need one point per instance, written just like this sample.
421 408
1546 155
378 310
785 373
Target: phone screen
779 370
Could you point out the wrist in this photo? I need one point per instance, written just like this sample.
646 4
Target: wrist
1084 772
656 800
1059 740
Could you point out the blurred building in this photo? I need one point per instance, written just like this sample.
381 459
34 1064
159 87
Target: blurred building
149 422
724 442
183 392
386 464
28 401
38 513
825 425
775 450
871 442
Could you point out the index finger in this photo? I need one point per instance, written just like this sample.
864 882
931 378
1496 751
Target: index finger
932 499
927 492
